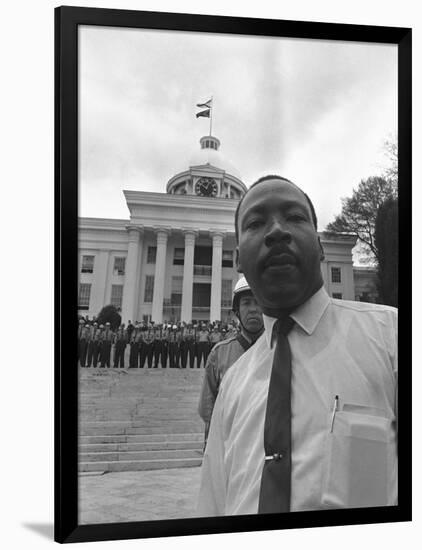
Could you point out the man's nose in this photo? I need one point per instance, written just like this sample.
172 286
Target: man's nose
277 232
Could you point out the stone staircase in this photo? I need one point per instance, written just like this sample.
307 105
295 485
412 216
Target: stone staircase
143 419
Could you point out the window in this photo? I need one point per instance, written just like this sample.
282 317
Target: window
201 295
338 295
336 274
226 293
116 296
87 264
84 295
176 291
149 288
119 266
202 255
152 254
179 256
227 258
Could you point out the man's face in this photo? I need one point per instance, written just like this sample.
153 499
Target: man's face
250 313
279 251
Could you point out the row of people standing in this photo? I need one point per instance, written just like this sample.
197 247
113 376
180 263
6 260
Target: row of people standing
95 344
175 346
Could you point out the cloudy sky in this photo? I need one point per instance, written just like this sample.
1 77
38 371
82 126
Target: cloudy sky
316 112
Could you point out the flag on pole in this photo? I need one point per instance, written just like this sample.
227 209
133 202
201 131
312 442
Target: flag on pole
204 113
206 105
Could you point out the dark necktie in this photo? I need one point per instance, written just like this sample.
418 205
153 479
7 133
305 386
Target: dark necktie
274 496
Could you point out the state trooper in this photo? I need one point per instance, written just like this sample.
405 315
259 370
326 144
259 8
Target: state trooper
188 346
135 346
172 346
225 353
107 337
147 346
157 345
164 342
203 341
179 347
83 336
94 332
96 355
120 342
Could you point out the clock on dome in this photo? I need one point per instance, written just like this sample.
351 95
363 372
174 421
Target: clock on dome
206 187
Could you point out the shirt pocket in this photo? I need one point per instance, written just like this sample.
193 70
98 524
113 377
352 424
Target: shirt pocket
361 463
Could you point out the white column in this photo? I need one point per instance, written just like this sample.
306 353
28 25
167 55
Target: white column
160 272
97 301
187 291
131 274
217 257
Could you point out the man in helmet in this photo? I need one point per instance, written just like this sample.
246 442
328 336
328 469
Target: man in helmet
83 333
224 354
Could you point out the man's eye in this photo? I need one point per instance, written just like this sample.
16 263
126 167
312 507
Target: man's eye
296 217
253 224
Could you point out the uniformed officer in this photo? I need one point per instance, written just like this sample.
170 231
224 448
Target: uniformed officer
130 328
203 341
135 345
172 345
106 342
179 347
188 346
225 353
93 343
147 346
96 355
157 344
164 345
120 341
83 335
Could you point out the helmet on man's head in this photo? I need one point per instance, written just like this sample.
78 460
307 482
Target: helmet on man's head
242 287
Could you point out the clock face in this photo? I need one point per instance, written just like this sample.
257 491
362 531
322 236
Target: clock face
206 187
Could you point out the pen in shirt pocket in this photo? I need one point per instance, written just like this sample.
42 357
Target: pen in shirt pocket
333 415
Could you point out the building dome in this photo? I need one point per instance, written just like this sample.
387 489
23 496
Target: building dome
209 174
212 155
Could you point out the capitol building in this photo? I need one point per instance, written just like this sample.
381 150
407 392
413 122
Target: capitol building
173 258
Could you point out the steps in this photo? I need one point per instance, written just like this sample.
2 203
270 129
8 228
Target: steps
142 419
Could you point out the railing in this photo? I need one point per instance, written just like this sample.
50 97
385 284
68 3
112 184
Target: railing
202 270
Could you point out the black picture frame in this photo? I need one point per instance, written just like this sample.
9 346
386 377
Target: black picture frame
67 20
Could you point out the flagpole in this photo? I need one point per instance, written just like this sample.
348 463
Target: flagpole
212 104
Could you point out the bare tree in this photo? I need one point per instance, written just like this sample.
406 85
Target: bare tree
391 152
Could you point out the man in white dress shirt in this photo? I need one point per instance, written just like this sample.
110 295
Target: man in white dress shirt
343 381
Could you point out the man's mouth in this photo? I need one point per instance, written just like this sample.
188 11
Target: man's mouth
280 261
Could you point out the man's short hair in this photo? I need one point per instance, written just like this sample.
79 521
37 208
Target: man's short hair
273 177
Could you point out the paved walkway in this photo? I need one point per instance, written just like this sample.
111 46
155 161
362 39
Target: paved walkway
138 496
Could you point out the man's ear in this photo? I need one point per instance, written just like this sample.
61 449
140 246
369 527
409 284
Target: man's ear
238 267
322 255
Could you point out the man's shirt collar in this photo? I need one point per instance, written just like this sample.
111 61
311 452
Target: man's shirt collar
307 315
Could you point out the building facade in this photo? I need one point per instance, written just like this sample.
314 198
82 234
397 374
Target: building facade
174 257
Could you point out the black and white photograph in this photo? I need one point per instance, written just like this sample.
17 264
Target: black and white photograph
178 131
208 219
